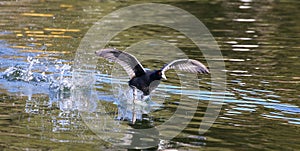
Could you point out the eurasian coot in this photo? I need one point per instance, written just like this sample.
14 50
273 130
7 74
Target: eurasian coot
146 80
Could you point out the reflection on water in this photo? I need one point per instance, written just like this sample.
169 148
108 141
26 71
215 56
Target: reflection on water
258 40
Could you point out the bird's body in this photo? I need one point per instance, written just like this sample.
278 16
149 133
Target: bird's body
148 80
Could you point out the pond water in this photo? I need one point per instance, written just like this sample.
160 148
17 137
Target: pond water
259 41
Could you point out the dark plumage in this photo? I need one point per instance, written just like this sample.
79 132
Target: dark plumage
147 81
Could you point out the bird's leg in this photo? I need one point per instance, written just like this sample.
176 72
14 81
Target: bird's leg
133 105
133 120
134 94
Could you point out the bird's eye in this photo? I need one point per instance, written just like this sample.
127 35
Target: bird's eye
159 73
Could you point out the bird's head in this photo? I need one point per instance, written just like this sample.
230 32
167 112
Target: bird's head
158 75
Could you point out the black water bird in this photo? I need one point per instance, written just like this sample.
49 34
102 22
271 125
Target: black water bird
148 80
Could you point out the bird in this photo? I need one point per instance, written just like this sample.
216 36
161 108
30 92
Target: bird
148 80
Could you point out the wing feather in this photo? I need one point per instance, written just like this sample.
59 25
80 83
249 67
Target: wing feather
129 63
187 65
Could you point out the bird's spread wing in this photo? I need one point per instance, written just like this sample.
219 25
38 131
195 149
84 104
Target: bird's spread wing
187 65
130 64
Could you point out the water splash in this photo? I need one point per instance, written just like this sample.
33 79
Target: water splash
60 82
18 73
31 78
57 80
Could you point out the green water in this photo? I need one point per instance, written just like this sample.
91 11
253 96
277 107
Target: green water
259 41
